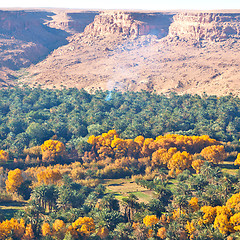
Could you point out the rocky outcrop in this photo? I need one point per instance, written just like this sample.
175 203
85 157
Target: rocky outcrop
184 26
124 50
25 39
30 26
114 23
71 22
205 26
130 24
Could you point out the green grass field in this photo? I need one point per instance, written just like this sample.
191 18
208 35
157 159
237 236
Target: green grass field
229 167
8 209
123 187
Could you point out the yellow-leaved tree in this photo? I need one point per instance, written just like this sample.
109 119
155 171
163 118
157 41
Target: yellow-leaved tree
162 233
49 176
12 229
190 227
234 202
214 153
209 215
46 229
59 229
120 147
150 220
83 226
4 156
162 156
193 204
237 161
52 149
235 221
222 223
14 181
179 162
29 234
197 164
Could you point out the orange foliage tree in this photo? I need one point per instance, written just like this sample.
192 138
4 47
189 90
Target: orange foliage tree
4 156
237 161
209 215
179 162
197 164
214 153
222 223
162 156
49 176
14 181
120 147
162 233
83 226
235 221
59 229
193 204
46 229
52 149
191 144
29 234
12 228
150 220
234 202
190 227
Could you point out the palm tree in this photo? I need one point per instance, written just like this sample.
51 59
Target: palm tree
123 231
51 195
45 195
130 204
110 202
91 200
107 218
39 195
33 215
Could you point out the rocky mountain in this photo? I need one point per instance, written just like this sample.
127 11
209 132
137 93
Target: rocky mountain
206 26
129 24
185 52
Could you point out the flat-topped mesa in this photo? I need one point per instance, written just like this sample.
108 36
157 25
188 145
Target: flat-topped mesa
71 22
116 23
129 24
205 26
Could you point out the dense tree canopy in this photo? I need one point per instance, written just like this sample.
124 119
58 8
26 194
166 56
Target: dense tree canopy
63 150
31 116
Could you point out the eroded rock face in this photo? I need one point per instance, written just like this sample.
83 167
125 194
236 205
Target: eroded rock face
130 24
30 26
71 22
205 26
25 39
115 23
122 50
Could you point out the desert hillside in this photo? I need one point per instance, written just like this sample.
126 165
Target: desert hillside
185 52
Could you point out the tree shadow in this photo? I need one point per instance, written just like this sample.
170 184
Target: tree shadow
229 166
9 209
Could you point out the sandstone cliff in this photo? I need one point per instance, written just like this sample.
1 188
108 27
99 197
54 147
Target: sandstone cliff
187 52
71 22
205 26
25 39
130 24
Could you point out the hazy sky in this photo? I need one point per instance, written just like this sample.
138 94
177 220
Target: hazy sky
125 4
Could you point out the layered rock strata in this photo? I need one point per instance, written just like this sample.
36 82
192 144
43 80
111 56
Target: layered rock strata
205 26
130 24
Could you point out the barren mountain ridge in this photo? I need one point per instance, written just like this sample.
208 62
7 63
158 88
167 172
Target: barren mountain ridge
185 52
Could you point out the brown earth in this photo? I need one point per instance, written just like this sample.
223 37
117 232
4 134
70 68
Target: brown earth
186 52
